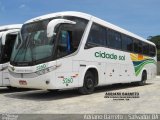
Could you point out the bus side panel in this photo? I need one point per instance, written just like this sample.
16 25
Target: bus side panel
102 73
84 69
151 71
112 72
68 80
65 76
119 73
148 68
5 78
127 72
154 69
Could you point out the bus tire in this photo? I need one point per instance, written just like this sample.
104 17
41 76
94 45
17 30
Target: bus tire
53 91
143 79
89 84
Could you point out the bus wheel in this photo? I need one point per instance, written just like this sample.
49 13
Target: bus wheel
88 85
143 79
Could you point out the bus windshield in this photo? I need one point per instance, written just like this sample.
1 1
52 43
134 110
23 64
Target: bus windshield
34 47
33 44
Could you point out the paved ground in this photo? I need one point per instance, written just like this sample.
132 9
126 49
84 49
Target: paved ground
39 101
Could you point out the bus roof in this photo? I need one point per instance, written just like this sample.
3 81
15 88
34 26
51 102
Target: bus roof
9 27
89 17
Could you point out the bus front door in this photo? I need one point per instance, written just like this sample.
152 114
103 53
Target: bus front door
65 48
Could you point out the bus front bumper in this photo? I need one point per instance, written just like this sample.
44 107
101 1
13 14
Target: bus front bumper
41 82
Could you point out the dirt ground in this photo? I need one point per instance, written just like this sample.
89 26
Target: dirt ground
71 102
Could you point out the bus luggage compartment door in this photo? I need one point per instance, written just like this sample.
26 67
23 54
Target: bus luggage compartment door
112 73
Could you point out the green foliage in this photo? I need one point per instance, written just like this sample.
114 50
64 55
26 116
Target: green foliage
156 40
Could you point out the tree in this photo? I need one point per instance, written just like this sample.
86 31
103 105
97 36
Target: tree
156 40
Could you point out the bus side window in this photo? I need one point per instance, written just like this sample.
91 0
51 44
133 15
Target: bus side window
118 41
10 40
97 36
136 46
70 36
114 39
146 49
127 43
140 47
65 43
152 51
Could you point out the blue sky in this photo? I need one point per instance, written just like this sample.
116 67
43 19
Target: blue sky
141 17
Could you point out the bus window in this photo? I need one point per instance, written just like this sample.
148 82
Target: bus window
77 30
7 49
97 36
127 43
152 51
64 44
70 36
40 38
114 40
136 48
118 40
140 47
146 49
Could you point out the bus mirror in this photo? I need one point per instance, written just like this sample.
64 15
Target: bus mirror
52 24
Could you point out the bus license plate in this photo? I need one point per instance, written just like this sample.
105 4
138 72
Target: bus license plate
23 82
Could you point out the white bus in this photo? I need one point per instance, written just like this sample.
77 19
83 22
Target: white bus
8 34
75 50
